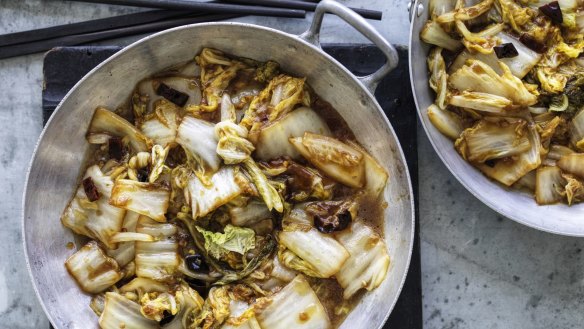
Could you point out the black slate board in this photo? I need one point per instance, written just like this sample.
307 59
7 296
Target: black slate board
63 67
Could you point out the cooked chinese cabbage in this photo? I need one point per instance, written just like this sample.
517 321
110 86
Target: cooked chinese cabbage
148 199
98 219
433 33
295 306
92 269
106 122
549 184
438 76
157 260
367 266
323 253
197 137
146 96
572 163
519 65
241 316
508 170
249 214
448 123
489 140
273 139
236 239
120 312
336 159
162 126
222 188
481 102
478 76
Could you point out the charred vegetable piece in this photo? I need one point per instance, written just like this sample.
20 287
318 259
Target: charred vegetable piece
173 95
506 50
553 11
90 189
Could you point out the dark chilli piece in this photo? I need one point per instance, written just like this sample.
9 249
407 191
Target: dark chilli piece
90 189
143 175
553 11
196 263
532 44
167 318
173 95
506 50
116 148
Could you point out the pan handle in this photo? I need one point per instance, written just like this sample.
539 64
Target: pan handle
312 35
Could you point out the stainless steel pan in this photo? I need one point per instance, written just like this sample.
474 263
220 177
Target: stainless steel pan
520 207
58 159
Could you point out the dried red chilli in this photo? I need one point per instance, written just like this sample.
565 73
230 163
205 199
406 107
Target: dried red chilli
116 148
553 11
90 189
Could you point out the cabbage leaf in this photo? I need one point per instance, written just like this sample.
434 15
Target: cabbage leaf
236 239
120 312
148 199
295 306
367 266
92 269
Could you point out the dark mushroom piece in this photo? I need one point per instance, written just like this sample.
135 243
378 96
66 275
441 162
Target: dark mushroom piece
332 216
196 263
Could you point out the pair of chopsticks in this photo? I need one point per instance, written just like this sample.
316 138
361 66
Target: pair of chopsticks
171 13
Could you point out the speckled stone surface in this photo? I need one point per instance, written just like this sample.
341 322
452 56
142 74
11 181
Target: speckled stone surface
479 270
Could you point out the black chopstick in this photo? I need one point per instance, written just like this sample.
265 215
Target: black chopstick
78 39
308 6
207 7
89 26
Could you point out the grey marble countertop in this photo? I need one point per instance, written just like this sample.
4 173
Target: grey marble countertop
479 270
